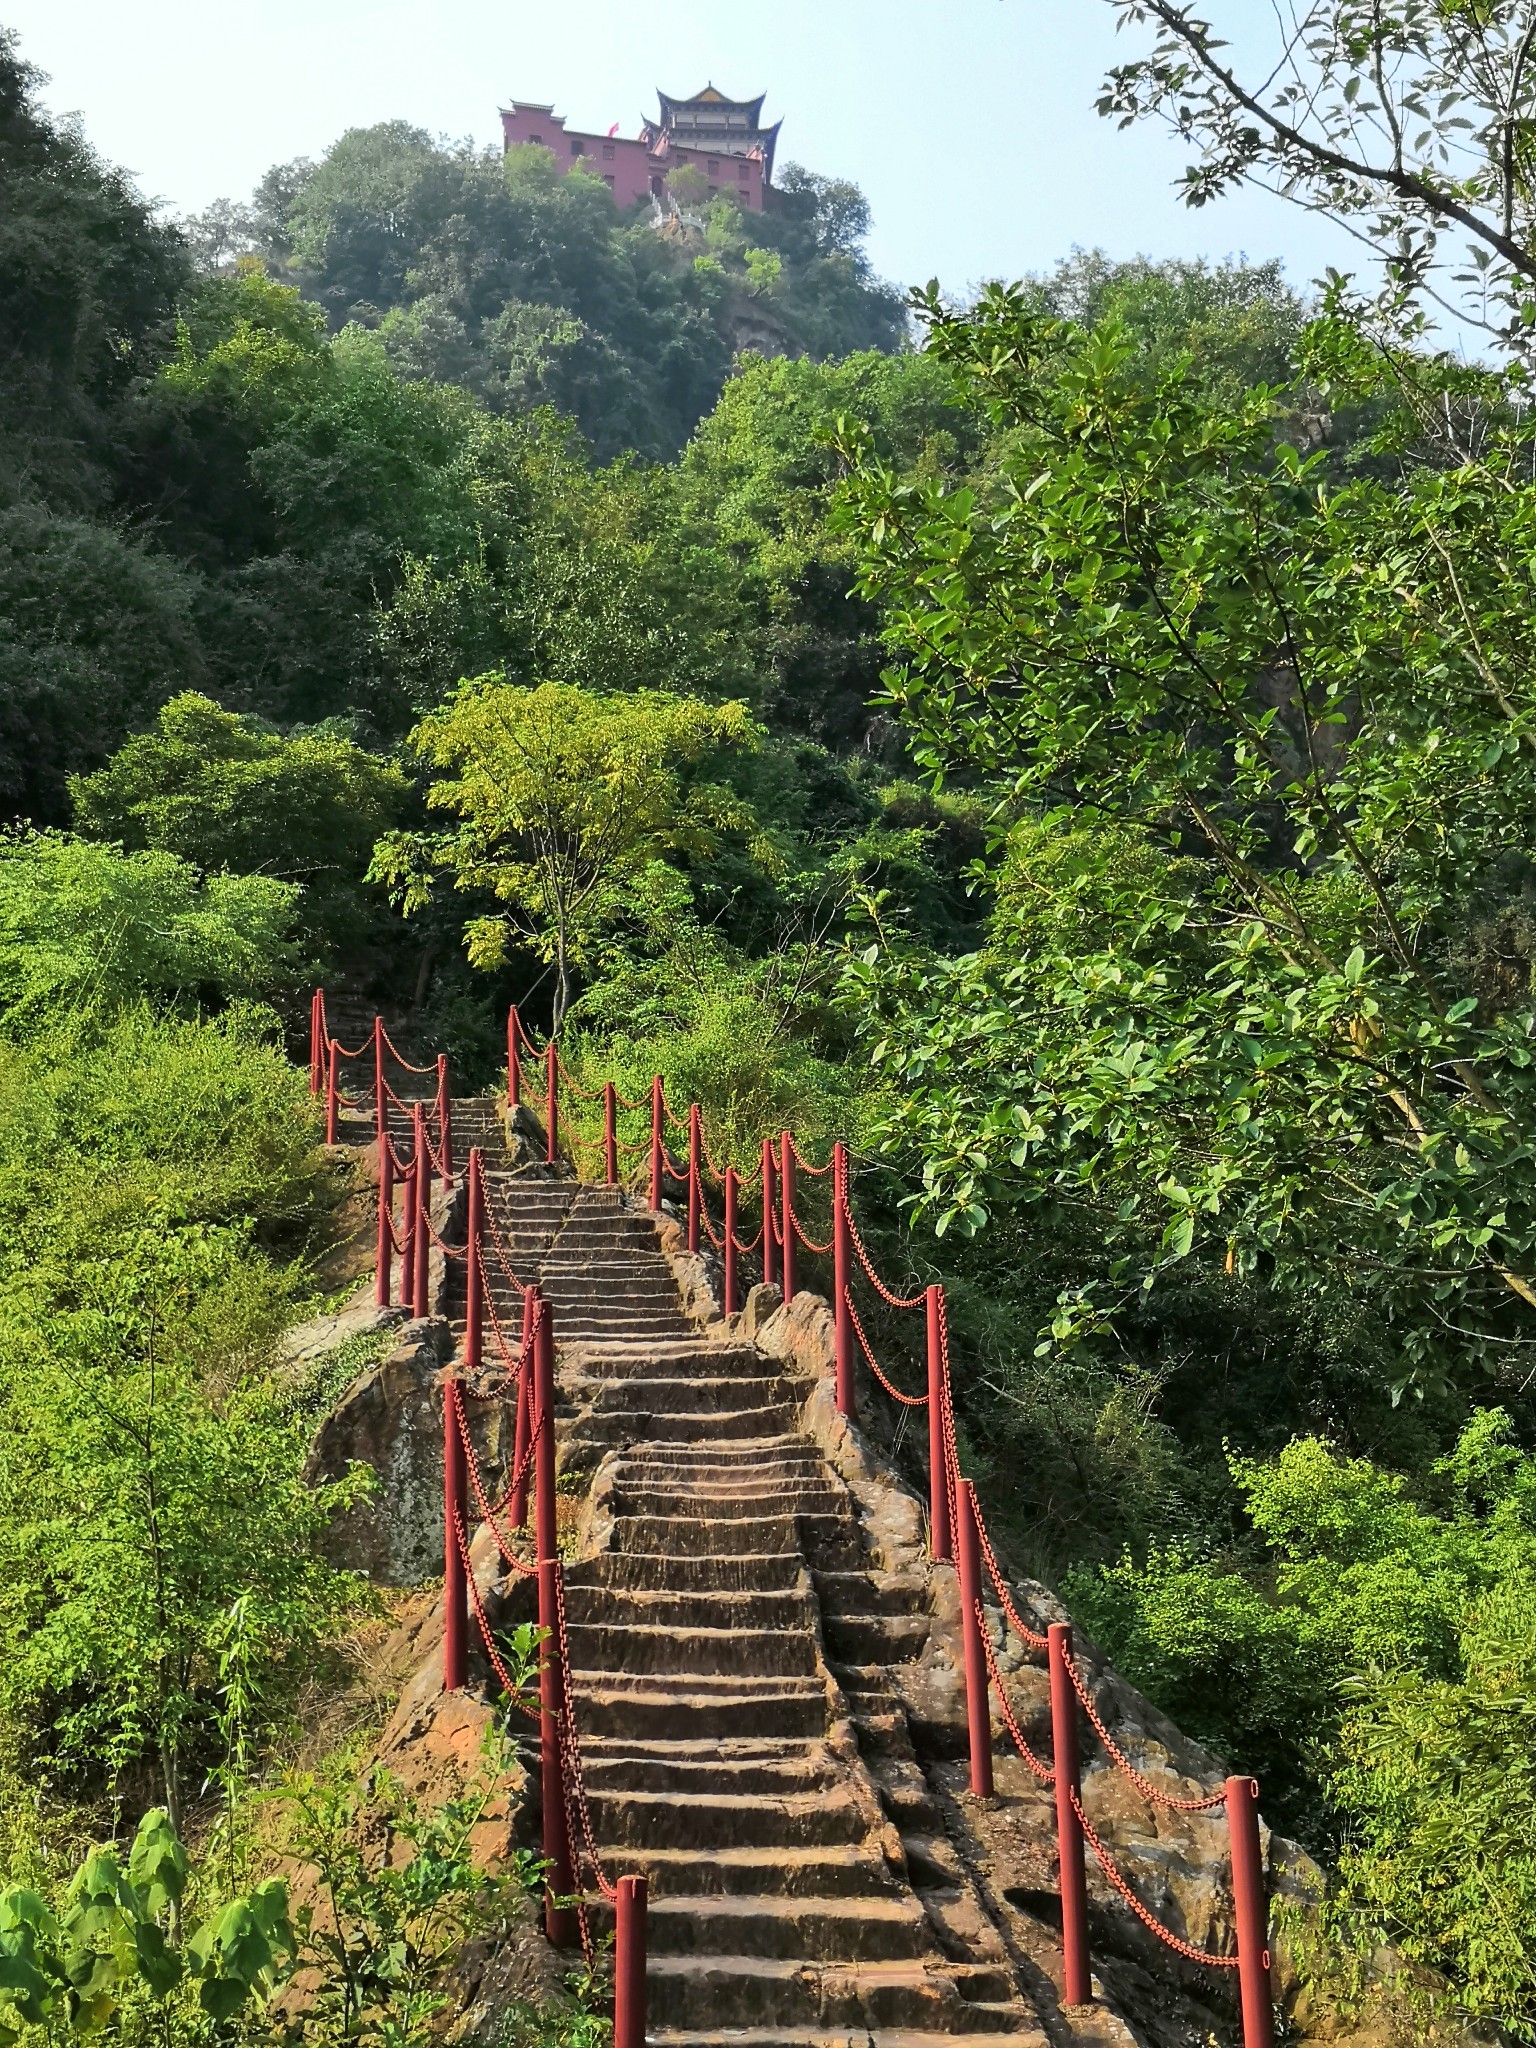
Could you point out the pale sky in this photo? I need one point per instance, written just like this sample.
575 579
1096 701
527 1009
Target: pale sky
969 123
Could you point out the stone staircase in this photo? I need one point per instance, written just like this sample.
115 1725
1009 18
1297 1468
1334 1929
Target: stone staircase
731 1636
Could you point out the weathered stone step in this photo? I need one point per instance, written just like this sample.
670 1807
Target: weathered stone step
677 1357
723 1503
828 1872
669 1535
705 1821
859 1639
854 1594
623 1572
781 1769
638 1707
618 1426
1023 2032
615 1646
664 1396
746 1990
820 1930
667 1607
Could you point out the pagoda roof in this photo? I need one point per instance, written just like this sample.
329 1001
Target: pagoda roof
712 98
700 109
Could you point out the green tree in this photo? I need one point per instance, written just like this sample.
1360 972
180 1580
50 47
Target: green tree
1407 122
91 927
1382 1645
572 805
225 793
1235 1015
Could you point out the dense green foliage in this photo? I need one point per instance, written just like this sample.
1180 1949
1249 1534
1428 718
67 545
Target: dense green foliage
526 286
1085 759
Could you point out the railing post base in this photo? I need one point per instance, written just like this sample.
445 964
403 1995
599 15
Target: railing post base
1251 1913
1078 1987
629 1963
978 1708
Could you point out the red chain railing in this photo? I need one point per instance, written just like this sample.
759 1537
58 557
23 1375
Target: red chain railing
957 1529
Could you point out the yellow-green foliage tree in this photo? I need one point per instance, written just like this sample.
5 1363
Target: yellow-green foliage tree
573 808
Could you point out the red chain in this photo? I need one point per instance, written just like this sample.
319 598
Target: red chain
799 1228
449 1251
498 1665
1041 1769
487 1511
1123 1764
571 1082
514 1365
804 1164
1148 1919
906 1400
885 1294
498 1245
575 1782
1024 1633
409 1065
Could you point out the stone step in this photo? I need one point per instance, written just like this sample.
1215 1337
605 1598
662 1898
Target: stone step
641 1707
706 1821
859 1639
726 1504
672 1535
625 1572
1014 2032
765 1768
697 1390
818 1930
745 1991
854 1594
666 1607
713 1425
845 1871
610 1647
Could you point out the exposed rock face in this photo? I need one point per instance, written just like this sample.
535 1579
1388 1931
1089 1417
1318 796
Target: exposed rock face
392 1420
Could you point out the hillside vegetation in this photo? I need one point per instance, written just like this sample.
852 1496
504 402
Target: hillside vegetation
1078 745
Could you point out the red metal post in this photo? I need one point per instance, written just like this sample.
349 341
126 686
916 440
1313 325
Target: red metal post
787 1229
769 1267
380 1099
444 1121
938 1442
1251 1912
514 1059
551 1104
408 1241
316 1034
658 1116
473 1279
729 1304
610 1134
524 1410
842 1305
629 1963
422 1176
977 1706
1078 1986
331 1104
386 1240
695 1174
455 1587
558 1920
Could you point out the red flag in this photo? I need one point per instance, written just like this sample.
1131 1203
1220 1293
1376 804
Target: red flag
614 129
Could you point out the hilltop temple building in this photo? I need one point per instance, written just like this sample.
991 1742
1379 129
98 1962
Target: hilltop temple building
724 139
